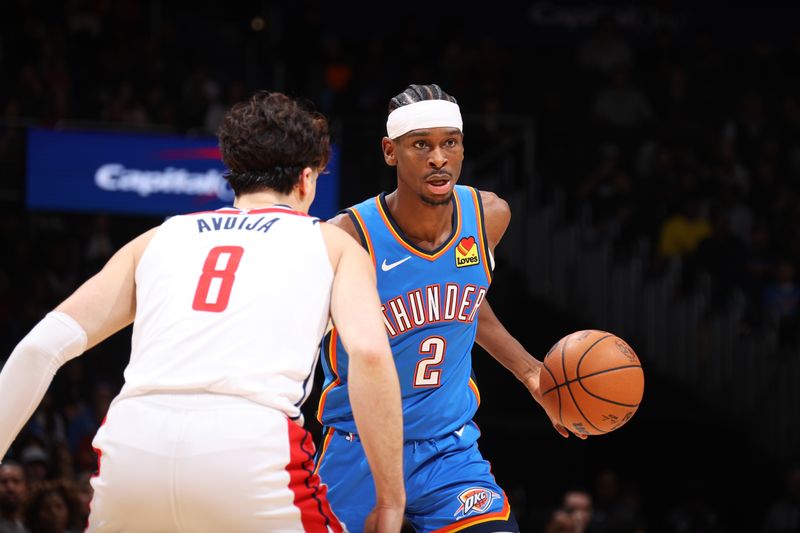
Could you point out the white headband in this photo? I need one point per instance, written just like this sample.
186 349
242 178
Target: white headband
424 114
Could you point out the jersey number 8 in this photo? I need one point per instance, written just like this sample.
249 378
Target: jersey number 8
216 282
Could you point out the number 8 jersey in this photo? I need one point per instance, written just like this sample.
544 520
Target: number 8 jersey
430 302
231 302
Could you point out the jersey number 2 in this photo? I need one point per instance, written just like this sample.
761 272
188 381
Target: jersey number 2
216 281
424 376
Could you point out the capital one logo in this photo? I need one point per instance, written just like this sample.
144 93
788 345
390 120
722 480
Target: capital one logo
211 182
170 180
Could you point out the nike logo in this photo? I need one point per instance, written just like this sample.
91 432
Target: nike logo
386 267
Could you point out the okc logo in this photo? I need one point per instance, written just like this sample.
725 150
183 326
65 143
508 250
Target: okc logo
475 500
467 252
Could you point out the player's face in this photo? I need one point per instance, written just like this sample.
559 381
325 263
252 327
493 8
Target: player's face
54 511
428 162
12 485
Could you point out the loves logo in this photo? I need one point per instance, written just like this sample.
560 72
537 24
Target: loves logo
467 253
475 500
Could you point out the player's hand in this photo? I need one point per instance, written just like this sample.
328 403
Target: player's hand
384 519
532 382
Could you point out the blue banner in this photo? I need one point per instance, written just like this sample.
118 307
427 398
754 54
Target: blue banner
149 174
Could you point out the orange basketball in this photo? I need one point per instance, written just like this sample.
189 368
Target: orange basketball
592 382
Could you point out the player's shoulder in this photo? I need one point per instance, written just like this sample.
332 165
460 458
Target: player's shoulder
339 243
344 222
333 229
493 204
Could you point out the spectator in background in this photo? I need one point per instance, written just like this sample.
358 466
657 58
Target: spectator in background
616 507
577 503
682 231
560 522
608 190
621 105
727 170
740 213
673 98
36 463
758 264
54 508
85 492
744 131
13 497
86 421
719 255
47 424
781 301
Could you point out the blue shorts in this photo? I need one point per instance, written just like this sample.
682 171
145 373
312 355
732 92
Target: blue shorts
449 485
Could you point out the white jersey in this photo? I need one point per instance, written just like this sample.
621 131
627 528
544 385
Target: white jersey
231 302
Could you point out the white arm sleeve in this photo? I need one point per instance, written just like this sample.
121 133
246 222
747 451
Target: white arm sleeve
27 374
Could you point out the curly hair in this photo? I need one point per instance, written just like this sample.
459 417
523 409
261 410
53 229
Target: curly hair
418 93
269 139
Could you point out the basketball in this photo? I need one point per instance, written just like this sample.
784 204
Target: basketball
592 382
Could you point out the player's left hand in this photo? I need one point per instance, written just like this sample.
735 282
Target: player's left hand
532 383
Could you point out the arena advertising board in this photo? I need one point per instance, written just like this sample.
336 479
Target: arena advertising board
149 174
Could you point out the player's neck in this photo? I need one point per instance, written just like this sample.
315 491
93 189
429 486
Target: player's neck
426 225
261 199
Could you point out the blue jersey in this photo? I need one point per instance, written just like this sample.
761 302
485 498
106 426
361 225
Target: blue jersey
430 302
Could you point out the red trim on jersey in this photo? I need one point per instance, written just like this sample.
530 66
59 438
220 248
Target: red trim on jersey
414 250
258 211
332 364
276 209
310 494
218 211
96 474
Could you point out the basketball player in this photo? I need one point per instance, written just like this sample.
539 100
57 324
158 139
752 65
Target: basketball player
228 310
431 242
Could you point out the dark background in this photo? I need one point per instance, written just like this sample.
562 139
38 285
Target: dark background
629 113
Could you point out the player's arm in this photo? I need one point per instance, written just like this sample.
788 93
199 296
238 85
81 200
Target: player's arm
101 306
492 336
372 377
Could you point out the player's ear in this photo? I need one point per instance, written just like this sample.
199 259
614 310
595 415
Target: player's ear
306 182
388 147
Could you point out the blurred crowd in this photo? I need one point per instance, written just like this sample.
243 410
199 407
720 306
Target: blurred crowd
679 136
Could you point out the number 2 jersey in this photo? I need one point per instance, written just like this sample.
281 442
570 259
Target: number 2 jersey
231 302
430 302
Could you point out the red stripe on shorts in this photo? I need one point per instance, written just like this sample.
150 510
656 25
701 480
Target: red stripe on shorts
310 495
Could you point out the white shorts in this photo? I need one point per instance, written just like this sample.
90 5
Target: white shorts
196 463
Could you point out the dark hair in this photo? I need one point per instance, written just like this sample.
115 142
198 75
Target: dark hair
65 490
418 93
15 464
269 139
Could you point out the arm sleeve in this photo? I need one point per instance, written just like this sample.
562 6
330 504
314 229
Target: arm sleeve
27 374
